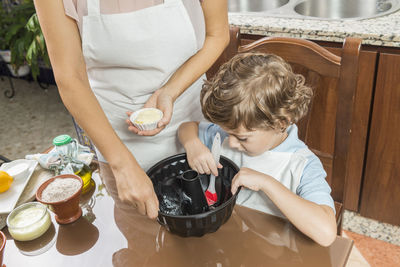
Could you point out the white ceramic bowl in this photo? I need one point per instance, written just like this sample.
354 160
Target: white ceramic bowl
148 124
18 169
28 221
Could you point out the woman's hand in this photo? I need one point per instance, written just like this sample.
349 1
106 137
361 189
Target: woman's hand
135 187
200 158
163 101
250 179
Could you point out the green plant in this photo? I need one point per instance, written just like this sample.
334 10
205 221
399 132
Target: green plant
37 48
24 37
5 23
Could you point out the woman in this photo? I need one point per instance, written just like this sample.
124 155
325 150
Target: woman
112 57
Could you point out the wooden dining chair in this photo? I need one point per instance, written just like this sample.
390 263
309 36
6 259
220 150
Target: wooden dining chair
327 128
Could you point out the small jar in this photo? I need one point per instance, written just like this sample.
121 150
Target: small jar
28 221
66 146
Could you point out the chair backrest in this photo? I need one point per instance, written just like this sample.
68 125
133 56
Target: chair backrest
327 127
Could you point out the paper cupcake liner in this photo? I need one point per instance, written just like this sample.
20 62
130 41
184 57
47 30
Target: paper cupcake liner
145 126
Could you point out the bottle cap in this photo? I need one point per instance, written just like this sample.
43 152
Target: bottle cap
62 140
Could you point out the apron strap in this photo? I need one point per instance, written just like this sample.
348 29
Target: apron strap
93 7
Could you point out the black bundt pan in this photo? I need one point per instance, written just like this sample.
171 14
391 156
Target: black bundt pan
168 171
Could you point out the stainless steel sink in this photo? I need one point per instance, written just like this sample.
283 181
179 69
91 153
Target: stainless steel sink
254 5
339 9
316 9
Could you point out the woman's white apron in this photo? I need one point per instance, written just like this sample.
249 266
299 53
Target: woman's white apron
130 55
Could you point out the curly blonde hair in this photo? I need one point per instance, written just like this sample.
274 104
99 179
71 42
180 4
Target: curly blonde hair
256 91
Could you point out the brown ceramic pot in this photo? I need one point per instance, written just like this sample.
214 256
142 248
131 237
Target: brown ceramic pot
2 246
67 210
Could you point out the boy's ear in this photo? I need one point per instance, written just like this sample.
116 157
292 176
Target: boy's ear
283 124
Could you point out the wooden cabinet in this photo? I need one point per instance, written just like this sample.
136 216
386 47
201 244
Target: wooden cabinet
373 188
380 198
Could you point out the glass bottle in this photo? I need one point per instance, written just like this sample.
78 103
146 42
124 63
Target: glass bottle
68 148
65 146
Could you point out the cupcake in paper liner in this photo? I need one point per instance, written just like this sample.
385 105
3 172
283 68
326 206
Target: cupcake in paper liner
146 118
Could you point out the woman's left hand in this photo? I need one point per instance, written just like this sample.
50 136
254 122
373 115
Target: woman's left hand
164 102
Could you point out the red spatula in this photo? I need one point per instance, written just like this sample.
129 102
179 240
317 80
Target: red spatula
210 193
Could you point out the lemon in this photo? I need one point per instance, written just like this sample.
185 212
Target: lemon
5 181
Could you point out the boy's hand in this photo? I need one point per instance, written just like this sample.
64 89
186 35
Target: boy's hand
200 158
250 179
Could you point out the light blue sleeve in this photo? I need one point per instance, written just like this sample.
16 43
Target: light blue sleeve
313 185
207 131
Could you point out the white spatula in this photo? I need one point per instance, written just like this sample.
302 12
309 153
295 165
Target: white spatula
210 193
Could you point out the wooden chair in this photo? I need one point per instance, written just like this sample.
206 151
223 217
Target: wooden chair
327 127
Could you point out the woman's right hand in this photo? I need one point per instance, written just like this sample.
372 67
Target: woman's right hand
200 158
135 187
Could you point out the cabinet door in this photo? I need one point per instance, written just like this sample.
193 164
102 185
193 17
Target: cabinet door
380 197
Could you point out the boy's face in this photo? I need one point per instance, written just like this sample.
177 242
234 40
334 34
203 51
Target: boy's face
256 142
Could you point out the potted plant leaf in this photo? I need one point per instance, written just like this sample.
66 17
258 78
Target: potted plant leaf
5 24
25 39
36 54
17 35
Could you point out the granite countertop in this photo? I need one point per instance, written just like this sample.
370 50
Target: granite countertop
381 31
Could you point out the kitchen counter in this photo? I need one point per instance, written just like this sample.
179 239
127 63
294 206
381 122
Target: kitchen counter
381 31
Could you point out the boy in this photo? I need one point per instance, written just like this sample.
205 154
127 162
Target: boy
254 102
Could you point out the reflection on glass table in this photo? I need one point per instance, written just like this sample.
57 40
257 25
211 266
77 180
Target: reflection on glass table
111 235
